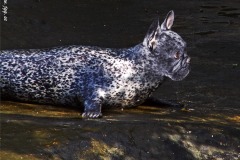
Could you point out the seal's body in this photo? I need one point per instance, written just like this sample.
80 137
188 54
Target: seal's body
94 76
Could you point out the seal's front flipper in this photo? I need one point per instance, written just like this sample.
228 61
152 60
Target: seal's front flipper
92 114
158 101
92 109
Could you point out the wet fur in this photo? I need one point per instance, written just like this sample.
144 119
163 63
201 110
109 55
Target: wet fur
93 76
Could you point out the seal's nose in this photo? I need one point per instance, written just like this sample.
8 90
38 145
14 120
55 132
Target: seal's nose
188 60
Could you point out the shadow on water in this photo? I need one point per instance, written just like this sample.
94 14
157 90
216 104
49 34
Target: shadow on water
208 127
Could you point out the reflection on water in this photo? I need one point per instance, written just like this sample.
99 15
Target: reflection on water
59 133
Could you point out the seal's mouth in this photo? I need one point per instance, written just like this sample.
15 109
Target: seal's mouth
180 70
181 74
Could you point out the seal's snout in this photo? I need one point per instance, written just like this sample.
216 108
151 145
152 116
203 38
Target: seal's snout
188 60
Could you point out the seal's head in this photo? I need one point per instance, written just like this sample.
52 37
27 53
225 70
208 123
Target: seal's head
169 49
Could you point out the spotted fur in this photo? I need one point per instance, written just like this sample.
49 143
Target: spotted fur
93 76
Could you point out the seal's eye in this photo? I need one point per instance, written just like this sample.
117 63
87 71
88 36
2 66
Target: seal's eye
177 55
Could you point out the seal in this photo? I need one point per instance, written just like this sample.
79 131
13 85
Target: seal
93 77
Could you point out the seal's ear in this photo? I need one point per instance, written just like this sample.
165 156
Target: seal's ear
168 22
150 38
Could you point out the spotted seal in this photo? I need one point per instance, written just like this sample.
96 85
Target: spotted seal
93 76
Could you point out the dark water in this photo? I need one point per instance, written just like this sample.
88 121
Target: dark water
208 127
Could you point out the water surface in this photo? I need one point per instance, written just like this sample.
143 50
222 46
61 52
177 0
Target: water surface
208 127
